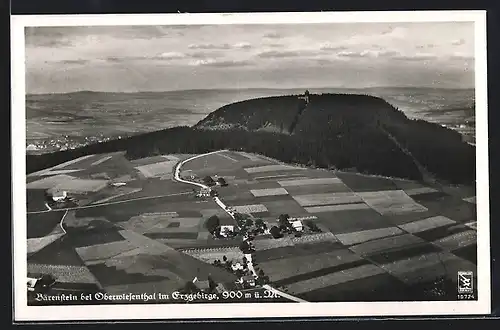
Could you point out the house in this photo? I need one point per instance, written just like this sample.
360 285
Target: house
39 283
237 266
202 285
297 225
226 229
204 192
247 279
59 196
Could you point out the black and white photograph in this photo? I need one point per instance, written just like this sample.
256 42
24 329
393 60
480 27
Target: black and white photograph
230 161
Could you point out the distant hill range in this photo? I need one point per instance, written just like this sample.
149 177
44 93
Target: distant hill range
335 131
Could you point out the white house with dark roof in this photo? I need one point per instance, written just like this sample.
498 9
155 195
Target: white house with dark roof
59 195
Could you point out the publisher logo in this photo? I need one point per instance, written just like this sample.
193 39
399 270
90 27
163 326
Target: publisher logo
465 282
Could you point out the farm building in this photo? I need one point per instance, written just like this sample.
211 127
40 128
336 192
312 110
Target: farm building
297 225
204 192
237 266
58 196
226 229
40 282
247 279
202 285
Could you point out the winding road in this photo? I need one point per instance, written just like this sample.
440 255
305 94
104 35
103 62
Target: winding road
224 207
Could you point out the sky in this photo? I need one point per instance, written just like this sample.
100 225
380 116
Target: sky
164 58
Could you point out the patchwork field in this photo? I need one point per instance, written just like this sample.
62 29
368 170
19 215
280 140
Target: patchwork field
135 229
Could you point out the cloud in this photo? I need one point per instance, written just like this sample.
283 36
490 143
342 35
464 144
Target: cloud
170 56
229 63
461 56
272 35
285 54
212 62
79 62
48 42
274 45
201 55
428 46
370 53
242 45
166 56
415 57
209 46
331 47
389 30
458 42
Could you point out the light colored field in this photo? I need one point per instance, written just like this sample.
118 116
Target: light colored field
104 251
147 245
125 192
367 235
252 157
138 264
62 165
418 191
269 192
385 244
424 267
254 208
124 178
284 268
269 168
470 199
168 214
209 255
341 207
426 224
344 276
163 228
145 223
102 160
203 235
314 238
278 176
71 162
271 243
157 169
81 186
227 157
50 182
171 158
328 199
36 244
391 202
57 172
457 240
100 175
63 273
472 224
303 182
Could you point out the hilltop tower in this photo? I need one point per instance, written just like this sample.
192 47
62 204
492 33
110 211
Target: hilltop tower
305 97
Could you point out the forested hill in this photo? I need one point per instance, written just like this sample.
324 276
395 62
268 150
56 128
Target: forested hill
336 131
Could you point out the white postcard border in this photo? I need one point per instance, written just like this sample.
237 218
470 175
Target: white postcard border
22 312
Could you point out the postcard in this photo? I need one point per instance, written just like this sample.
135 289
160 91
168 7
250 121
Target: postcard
257 165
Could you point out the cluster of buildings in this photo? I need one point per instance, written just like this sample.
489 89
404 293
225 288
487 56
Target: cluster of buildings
296 224
62 143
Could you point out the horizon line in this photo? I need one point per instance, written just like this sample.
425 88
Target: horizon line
249 88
